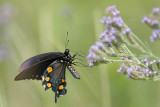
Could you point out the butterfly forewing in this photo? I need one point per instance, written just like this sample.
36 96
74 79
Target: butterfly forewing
34 67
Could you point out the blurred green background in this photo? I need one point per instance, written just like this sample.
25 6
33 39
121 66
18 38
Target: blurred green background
31 27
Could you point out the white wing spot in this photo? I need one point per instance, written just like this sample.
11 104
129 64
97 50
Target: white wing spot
42 78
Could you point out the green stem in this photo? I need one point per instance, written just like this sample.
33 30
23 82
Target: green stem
139 41
154 56
125 47
133 57
142 44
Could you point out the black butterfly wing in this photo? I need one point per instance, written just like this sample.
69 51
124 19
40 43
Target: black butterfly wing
56 72
54 77
60 69
34 67
58 76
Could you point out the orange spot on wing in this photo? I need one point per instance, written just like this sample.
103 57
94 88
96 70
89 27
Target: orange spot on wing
63 80
49 85
47 79
50 69
60 87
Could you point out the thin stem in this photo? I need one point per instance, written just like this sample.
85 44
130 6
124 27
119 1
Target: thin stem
133 57
139 41
125 47
154 56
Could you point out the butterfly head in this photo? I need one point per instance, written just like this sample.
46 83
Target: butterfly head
66 52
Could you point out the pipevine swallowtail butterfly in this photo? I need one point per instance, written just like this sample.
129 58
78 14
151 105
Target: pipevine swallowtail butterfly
50 68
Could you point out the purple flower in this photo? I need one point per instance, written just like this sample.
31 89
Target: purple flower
153 22
145 70
150 72
129 69
151 62
126 31
136 71
114 44
155 35
6 13
103 20
149 21
145 61
102 35
108 35
94 52
147 74
143 75
151 39
91 55
3 52
146 20
100 46
155 72
156 10
108 21
129 75
154 61
114 19
118 21
94 48
112 10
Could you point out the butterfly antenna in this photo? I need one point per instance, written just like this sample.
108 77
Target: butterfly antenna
67 41
79 53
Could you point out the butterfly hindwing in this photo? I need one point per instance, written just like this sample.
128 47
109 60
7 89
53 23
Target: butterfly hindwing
54 77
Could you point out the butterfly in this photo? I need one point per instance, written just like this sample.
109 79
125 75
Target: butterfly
50 68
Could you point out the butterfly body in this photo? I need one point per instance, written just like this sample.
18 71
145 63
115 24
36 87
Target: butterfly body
50 68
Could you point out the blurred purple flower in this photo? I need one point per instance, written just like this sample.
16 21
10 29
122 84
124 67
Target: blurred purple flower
153 22
109 21
155 35
6 13
103 20
126 31
108 35
136 71
156 10
114 19
3 52
112 10
146 20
